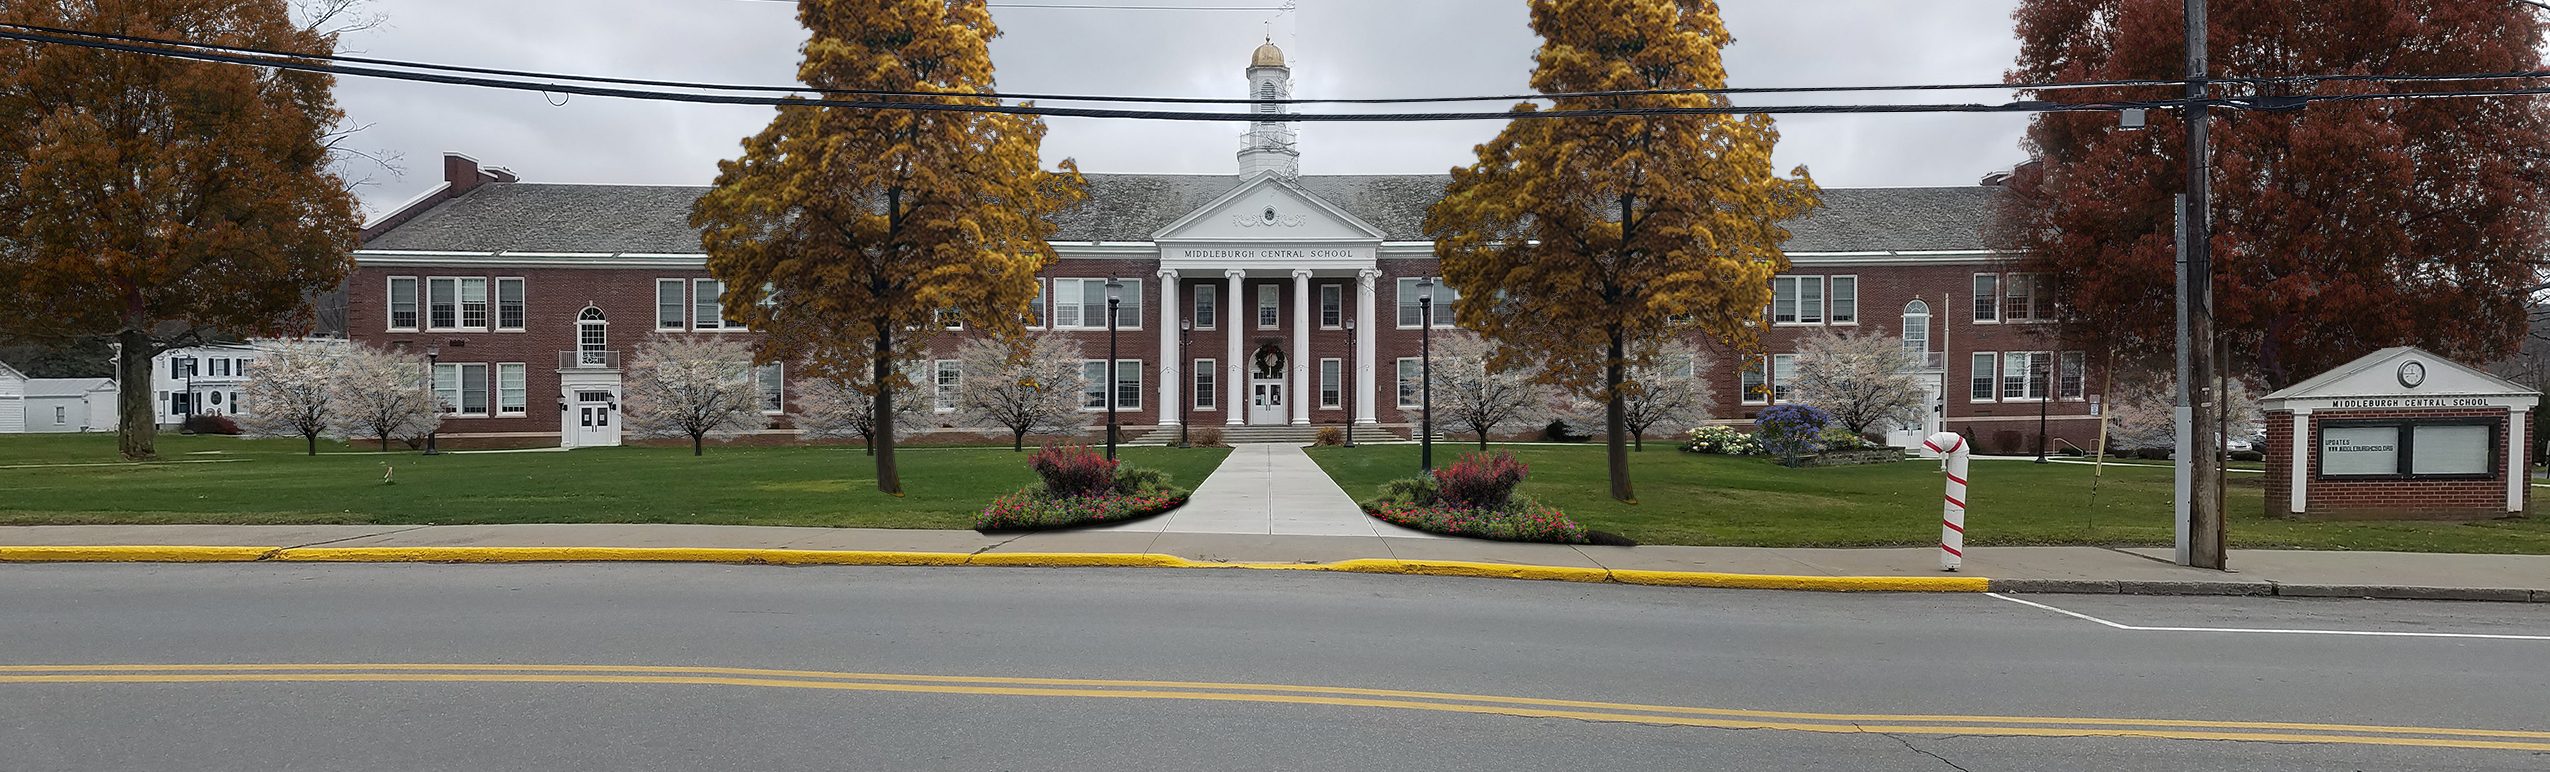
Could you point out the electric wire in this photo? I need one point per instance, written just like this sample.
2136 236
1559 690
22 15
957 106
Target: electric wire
317 64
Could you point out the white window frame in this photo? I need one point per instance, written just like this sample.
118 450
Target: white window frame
1332 306
1332 386
681 305
945 379
434 308
1207 311
1753 381
1206 380
415 305
771 380
708 309
1128 306
456 396
2029 388
1270 306
1093 385
1834 312
519 373
1036 308
1987 302
486 308
1780 387
2019 301
1803 310
1411 372
951 319
2071 376
1405 302
1983 377
521 304
1129 380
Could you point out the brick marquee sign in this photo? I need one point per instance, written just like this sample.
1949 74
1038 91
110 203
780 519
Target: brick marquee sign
2400 433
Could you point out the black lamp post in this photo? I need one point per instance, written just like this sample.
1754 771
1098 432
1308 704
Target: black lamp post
1425 336
1185 326
186 424
1352 400
432 355
2045 394
1115 292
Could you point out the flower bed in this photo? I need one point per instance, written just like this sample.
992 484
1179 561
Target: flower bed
1522 520
1033 509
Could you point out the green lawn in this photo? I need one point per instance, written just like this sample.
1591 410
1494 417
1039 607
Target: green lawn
270 481
1687 498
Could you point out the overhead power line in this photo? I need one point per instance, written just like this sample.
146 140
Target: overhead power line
990 103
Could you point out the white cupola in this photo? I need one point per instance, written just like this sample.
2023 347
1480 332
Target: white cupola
1270 148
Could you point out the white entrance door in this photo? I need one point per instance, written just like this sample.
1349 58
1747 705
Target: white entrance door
1266 402
593 422
1910 435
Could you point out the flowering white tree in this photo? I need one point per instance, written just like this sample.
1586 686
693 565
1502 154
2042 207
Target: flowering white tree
1030 386
1864 379
1470 394
2144 411
697 386
383 396
292 385
1669 393
839 407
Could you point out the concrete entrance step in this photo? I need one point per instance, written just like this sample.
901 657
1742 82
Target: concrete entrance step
1163 436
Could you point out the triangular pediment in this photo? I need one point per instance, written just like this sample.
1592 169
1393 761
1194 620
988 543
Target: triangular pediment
2400 371
1267 207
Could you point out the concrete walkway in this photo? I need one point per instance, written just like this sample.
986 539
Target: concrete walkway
1268 489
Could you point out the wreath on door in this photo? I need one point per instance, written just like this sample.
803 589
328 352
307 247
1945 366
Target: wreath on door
1270 361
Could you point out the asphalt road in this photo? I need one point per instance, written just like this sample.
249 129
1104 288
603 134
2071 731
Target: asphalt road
436 667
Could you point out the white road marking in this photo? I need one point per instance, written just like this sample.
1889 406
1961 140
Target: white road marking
2369 633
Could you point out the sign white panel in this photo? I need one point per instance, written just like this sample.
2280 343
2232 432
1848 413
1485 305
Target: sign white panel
2451 450
2359 450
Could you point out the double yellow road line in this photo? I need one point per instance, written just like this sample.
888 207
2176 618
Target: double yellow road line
1720 718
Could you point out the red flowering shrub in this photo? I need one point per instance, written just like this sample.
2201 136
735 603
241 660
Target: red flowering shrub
1479 481
1029 509
1074 470
1520 520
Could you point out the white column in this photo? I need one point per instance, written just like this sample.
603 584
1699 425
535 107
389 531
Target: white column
1172 361
2518 464
1235 365
2301 461
1303 372
1365 325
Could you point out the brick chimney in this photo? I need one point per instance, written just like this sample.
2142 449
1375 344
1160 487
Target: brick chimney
460 174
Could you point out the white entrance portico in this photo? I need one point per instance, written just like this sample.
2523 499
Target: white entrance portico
1271 229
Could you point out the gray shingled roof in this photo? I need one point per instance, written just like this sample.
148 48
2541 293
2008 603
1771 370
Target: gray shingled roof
63 387
529 217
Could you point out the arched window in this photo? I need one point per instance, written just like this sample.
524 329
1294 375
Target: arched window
593 336
1917 331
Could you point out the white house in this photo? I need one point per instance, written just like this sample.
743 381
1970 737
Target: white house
13 394
54 404
199 380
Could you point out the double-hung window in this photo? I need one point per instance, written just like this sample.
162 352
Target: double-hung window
473 303
509 304
2075 374
1845 300
462 388
1128 384
2018 297
1204 374
1987 295
1331 392
442 303
402 303
1411 381
1783 373
2024 374
1986 364
1332 306
1797 300
1208 301
950 375
772 381
1093 378
1750 385
668 304
1036 309
708 305
1082 304
1411 315
1270 306
512 398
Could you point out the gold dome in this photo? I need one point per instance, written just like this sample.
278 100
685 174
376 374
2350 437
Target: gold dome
1267 56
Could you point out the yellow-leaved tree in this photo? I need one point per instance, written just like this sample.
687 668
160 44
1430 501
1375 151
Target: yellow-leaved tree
843 232
1588 241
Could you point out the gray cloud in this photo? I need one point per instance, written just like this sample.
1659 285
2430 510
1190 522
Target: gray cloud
1338 48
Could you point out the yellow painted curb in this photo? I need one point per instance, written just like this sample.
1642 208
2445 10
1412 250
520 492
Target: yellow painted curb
132 554
1824 583
189 554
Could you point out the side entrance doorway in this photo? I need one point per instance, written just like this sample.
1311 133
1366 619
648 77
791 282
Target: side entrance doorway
592 419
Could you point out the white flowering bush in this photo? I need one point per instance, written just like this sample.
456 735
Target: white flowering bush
1723 441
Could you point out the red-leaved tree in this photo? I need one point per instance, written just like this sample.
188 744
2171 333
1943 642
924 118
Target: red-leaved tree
2338 228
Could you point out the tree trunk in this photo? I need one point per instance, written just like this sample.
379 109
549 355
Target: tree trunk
695 443
314 442
1018 441
1614 419
883 445
385 442
137 428
1638 440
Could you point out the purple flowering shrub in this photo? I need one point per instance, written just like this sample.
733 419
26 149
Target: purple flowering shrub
1791 431
1475 497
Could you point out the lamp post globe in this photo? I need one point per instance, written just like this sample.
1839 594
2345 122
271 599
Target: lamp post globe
1115 294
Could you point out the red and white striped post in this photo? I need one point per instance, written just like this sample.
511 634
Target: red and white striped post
1951 447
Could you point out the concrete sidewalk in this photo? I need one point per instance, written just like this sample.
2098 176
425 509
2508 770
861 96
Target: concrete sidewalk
2016 569
1268 489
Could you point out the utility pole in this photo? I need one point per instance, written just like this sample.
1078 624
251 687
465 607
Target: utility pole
2200 538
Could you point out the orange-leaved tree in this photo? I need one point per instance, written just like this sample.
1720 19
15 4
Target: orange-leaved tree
2338 228
151 200
1588 240
858 226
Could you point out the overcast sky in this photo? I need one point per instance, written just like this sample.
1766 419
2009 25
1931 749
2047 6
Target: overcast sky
1337 48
